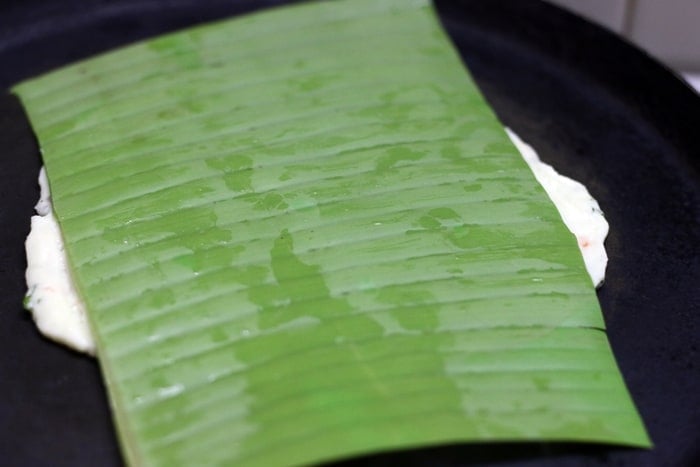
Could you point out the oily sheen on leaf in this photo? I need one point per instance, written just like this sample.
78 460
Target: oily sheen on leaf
302 234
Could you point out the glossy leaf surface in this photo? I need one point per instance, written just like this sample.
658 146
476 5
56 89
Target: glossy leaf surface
303 234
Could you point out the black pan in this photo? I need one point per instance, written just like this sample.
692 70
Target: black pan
598 109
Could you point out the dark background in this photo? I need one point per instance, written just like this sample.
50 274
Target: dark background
598 109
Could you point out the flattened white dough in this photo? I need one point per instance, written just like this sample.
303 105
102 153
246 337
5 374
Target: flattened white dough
577 208
60 314
58 311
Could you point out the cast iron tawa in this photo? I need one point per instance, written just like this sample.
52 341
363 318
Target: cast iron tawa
596 108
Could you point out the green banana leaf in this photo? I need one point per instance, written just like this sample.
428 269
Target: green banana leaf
303 234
